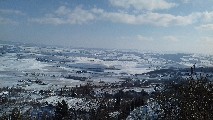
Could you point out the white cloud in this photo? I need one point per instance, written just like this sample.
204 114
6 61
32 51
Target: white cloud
48 20
7 21
207 16
185 1
11 12
144 38
206 40
63 10
171 38
143 4
205 44
78 15
6 14
205 27
64 15
158 19
141 38
151 18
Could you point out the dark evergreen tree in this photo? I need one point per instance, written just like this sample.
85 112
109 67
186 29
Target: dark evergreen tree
64 108
132 107
118 102
58 111
61 111
127 110
192 71
16 115
4 116
61 92
45 116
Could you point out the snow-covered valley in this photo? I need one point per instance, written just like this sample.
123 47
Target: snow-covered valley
84 77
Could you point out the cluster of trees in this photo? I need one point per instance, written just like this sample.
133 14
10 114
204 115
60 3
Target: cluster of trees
124 108
124 104
187 100
15 115
61 112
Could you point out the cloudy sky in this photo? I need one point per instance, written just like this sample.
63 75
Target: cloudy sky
158 25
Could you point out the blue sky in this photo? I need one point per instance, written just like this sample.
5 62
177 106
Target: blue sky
158 25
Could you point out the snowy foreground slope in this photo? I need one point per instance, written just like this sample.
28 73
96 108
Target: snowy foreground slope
87 79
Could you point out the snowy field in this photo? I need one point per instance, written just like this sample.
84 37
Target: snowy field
51 65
